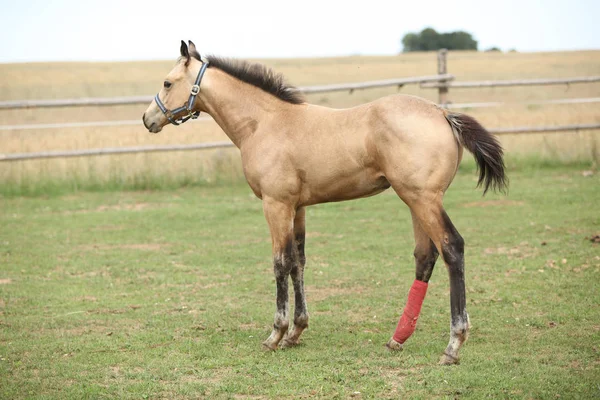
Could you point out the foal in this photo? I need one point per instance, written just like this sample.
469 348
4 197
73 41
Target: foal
296 154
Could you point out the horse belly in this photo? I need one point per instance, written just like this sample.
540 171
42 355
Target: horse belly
340 188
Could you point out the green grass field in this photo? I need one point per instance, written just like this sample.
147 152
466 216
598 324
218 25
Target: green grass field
169 294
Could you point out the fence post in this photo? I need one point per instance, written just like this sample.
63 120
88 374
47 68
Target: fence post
442 69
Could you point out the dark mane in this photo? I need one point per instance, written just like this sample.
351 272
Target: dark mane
257 75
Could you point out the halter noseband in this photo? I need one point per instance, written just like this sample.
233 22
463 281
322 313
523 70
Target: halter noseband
188 106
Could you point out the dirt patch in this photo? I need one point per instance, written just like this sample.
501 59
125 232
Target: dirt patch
118 207
314 234
87 298
394 377
522 250
249 327
493 203
322 293
5 281
109 311
108 228
125 207
217 376
132 246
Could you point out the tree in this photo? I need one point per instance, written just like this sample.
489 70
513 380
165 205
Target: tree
429 39
411 42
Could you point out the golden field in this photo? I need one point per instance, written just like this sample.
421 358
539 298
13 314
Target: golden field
72 80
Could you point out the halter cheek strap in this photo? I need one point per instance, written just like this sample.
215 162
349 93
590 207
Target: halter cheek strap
188 105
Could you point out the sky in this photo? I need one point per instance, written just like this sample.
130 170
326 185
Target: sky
123 30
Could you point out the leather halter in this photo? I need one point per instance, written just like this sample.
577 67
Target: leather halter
188 106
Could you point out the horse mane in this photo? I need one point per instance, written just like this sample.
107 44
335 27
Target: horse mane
257 75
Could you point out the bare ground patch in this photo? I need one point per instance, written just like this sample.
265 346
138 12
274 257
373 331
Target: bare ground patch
321 293
108 228
5 281
493 203
520 251
251 326
394 377
130 246
118 207
218 375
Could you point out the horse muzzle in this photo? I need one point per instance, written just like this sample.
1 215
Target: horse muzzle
153 127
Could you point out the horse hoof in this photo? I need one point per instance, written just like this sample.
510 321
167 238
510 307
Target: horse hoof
286 344
268 347
447 359
392 345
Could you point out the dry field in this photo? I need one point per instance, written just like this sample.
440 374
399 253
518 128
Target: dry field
72 80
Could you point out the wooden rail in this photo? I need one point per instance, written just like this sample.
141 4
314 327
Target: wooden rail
512 82
217 145
541 129
583 100
85 124
119 101
112 150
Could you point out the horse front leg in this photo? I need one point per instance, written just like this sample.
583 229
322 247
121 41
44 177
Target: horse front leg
280 217
297 274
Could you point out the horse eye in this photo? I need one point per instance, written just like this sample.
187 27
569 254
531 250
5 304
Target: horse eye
167 84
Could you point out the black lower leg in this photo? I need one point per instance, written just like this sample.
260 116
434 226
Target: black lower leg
453 251
453 248
281 280
425 259
297 275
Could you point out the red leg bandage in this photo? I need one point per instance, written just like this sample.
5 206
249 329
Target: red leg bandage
408 322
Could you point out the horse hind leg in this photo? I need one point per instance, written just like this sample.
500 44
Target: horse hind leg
426 255
437 225
454 256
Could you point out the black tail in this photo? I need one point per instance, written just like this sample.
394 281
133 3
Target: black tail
485 148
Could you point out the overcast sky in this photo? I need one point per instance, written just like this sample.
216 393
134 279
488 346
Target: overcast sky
64 30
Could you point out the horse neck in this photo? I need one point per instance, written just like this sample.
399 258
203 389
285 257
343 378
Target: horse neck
237 106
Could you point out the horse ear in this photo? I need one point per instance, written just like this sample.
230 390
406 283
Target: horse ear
184 50
192 47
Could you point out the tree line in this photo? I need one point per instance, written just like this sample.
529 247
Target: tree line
429 39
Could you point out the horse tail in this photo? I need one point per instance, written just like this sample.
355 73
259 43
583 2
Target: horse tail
485 148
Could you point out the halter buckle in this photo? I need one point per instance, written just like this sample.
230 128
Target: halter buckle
195 90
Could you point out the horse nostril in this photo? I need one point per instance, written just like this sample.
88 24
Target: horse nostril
144 121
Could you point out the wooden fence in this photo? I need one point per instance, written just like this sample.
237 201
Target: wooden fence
443 81
119 101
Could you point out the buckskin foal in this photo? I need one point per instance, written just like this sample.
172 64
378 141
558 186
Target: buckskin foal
296 154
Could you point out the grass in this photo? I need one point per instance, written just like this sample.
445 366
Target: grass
64 80
168 294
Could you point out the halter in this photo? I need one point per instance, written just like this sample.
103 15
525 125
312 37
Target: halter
188 105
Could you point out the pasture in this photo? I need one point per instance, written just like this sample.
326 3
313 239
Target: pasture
168 294
166 290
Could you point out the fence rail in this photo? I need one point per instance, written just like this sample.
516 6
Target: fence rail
217 145
133 122
513 82
583 100
119 101
112 150
86 124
